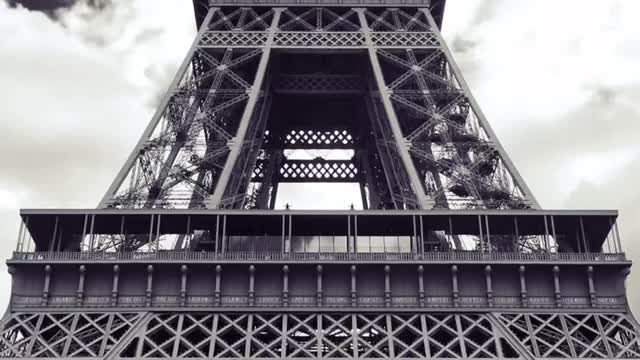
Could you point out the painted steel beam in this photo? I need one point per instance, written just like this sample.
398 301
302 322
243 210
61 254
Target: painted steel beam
236 146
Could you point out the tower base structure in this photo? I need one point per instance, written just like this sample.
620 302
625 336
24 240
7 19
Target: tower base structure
186 257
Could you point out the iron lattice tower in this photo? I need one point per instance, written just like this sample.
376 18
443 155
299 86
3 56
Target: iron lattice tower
186 256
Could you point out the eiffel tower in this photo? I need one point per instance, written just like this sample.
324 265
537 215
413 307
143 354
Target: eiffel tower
187 255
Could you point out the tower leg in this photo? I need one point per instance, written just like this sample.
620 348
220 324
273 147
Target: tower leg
133 157
215 200
418 188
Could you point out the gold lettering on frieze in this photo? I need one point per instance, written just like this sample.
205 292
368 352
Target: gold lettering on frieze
302 299
337 300
27 300
506 299
540 300
234 299
404 300
165 299
370 299
97 299
268 299
131 299
200 299
574 300
62 299
608 300
473 300
438 299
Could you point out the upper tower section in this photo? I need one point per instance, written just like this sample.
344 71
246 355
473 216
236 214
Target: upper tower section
201 7
277 93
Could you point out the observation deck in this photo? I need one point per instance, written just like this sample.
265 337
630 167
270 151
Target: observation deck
373 259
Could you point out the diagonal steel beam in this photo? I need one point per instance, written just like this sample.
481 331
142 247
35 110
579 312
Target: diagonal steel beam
481 117
214 201
401 143
117 182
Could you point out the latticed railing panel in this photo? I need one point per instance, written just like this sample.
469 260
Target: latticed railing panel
313 139
319 170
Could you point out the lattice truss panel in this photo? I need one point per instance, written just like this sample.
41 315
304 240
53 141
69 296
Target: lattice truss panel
63 335
318 84
318 336
320 27
290 168
318 139
178 163
331 336
457 158
241 19
575 335
319 170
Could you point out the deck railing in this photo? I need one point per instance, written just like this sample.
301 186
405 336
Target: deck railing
464 256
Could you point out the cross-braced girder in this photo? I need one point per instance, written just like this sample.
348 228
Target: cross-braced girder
276 335
63 335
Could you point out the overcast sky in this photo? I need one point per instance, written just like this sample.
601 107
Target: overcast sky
558 80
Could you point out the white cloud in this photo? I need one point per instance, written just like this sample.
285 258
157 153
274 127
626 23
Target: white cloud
548 55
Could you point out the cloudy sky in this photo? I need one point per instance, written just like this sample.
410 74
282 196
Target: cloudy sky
558 80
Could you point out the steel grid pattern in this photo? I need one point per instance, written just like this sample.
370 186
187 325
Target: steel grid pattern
318 138
318 39
404 39
434 147
575 335
63 335
318 84
310 170
225 39
319 335
251 39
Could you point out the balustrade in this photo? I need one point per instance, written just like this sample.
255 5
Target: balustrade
468 256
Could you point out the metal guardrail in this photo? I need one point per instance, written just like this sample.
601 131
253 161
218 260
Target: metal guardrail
467 256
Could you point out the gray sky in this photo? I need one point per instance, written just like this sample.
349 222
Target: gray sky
558 80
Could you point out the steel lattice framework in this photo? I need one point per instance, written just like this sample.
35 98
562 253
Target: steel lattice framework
305 335
422 140
186 257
